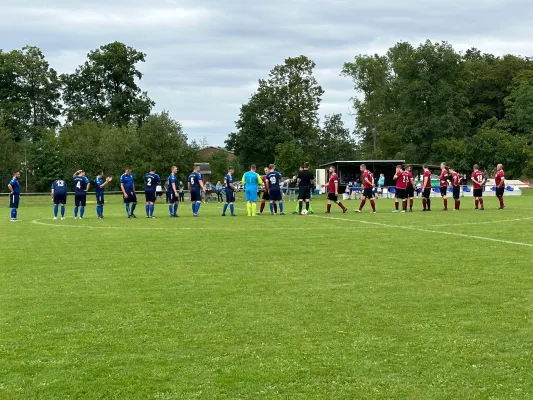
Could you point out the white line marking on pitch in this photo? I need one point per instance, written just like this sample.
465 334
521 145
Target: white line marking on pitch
486 222
185 228
429 231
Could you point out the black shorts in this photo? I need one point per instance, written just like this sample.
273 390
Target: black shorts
150 196
132 198
275 195
304 192
80 200
14 200
196 195
426 194
410 191
333 197
443 190
171 197
60 199
500 192
266 196
400 194
456 191
230 196
478 192
368 193
100 199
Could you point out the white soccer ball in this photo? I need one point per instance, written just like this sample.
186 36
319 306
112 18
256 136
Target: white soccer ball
304 212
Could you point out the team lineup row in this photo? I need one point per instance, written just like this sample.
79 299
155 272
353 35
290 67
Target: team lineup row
405 190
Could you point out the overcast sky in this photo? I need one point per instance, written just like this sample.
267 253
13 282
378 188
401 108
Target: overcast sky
204 57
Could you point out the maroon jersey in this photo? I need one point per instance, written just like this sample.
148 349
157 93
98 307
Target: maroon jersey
410 183
456 179
427 174
264 179
368 175
499 178
443 178
401 181
333 179
477 179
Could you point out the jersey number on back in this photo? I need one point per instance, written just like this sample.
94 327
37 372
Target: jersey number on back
480 178
60 183
149 182
192 180
273 180
78 185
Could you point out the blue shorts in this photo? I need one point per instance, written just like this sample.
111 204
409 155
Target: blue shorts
132 197
195 195
60 199
80 200
171 197
275 195
14 200
230 196
100 199
149 196
250 195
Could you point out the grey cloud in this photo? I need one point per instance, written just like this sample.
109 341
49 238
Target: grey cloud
204 58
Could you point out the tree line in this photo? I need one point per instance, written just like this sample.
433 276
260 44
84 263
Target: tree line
425 104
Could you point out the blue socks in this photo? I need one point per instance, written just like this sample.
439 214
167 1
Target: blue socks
56 209
280 207
75 212
198 207
272 208
147 209
133 207
232 208
62 211
128 209
82 211
195 207
152 209
175 208
225 208
13 213
171 209
100 210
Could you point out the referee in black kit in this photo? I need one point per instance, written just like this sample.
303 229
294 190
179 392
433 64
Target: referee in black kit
305 180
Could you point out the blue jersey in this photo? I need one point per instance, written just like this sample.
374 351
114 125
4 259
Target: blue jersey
97 183
59 187
172 180
151 180
80 184
194 179
127 181
274 180
228 180
251 180
15 185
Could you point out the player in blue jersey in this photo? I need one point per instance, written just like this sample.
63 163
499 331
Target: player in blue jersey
273 181
151 180
172 192
252 180
59 197
100 182
81 186
229 188
14 195
196 187
127 185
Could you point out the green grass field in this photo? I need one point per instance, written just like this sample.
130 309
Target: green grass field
356 306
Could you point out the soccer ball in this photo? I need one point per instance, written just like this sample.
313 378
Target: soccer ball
304 212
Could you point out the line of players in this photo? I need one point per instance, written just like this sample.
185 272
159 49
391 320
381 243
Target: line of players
406 187
405 190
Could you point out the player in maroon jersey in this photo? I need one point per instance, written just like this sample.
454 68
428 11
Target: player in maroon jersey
456 187
426 189
500 185
266 195
368 189
410 189
478 180
333 191
401 178
444 185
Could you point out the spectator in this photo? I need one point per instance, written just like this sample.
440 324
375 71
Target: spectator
292 189
182 192
381 183
208 190
218 189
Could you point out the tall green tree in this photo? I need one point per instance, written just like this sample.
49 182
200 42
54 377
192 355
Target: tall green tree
335 141
519 103
104 88
47 161
289 157
29 93
284 108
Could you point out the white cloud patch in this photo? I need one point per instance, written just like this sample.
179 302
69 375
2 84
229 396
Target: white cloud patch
204 58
